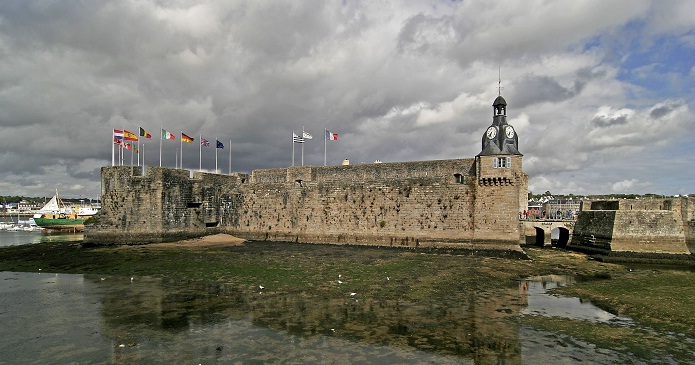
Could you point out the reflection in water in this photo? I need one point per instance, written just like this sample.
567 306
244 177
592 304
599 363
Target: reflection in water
115 320
8 238
270 327
544 304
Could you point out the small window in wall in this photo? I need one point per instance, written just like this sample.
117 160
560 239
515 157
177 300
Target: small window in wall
503 162
458 178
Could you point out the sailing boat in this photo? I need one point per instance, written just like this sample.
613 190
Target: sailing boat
56 215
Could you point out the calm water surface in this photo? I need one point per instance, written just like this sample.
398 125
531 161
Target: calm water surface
33 237
87 319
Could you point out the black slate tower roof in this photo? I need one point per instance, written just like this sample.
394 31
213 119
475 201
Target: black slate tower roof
500 138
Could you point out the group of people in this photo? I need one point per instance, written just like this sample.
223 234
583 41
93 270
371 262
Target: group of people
535 214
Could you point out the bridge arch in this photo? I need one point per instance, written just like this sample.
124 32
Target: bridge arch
552 232
560 237
540 237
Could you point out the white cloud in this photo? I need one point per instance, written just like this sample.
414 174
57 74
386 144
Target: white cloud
399 81
628 186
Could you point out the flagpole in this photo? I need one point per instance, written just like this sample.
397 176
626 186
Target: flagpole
325 134
143 159
200 153
113 155
181 142
292 148
302 146
230 156
216 154
177 158
131 154
160 145
123 153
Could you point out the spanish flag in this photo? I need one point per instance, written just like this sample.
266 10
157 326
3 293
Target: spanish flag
129 136
185 138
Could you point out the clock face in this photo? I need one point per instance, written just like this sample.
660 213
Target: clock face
509 131
491 132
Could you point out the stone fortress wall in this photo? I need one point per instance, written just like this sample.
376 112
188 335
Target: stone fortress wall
443 202
637 225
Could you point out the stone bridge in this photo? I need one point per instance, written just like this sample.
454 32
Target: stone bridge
547 231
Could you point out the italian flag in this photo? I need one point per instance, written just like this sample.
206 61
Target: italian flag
167 135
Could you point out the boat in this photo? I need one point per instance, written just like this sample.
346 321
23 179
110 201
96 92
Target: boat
58 216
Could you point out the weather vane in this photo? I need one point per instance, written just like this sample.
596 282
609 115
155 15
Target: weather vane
499 82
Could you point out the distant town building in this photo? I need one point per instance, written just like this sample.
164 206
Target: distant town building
562 208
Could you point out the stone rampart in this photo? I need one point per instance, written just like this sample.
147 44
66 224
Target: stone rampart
637 225
428 203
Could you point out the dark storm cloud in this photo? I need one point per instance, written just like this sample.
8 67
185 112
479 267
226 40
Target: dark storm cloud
661 111
533 89
607 121
399 81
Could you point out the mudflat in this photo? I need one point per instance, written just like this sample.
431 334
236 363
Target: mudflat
655 297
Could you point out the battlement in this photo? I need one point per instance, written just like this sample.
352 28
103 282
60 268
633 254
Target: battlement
407 204
444 171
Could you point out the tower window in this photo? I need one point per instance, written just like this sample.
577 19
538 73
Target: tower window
503 162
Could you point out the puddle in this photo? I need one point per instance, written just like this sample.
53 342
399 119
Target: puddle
541 303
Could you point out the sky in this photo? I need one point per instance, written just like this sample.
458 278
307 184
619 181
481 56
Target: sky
600 92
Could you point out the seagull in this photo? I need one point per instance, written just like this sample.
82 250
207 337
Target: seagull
340 282
261 287
353 294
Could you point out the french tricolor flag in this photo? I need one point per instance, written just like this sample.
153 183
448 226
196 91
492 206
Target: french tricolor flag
331 136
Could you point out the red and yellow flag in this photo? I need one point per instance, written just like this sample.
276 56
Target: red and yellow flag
129 136
186 138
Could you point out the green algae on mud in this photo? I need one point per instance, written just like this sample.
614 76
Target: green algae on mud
650 296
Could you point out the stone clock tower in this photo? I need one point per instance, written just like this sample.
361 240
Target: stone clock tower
499 174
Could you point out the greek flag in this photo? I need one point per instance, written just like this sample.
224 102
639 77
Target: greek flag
296 138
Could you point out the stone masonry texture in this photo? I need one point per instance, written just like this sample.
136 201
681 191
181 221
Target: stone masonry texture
427 203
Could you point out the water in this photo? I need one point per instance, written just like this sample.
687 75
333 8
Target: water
67 319
89 319
32 237
543 304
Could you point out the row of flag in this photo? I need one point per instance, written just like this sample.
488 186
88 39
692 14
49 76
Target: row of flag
329 136
121 135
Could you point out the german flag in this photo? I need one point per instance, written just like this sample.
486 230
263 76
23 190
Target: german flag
186 138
